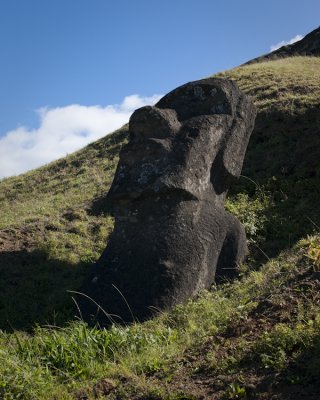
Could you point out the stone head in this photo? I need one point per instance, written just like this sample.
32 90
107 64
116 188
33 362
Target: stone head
192 141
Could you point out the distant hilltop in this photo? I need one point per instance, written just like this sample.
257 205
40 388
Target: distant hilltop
308 46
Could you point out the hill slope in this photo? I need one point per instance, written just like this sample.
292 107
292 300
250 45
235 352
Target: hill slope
254 338
308 46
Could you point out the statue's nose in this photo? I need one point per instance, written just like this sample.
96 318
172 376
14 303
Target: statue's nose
152 122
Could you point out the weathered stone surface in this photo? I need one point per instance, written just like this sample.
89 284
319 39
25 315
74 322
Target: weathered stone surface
172 235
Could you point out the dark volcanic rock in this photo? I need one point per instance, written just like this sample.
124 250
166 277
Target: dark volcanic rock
308 46
172 234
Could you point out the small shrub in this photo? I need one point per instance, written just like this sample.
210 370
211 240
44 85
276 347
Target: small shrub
313 252
284 343
235 391
250 212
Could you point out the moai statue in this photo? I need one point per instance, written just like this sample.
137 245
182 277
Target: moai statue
172 235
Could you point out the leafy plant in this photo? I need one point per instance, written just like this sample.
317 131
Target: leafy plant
235 391
313 252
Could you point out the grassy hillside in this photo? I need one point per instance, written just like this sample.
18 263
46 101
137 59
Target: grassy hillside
283 153
254 338
48 234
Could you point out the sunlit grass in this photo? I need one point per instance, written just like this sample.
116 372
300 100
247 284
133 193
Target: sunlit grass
290 84
59 361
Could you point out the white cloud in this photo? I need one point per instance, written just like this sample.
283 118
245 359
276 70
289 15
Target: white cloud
61 131
286 42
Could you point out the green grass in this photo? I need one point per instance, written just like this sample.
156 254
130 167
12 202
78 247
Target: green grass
281 167
50 233
220 333
70 183
240 336
288 85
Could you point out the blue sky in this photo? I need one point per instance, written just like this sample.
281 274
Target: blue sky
73 70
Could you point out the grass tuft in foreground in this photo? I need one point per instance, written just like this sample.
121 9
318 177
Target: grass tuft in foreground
267 323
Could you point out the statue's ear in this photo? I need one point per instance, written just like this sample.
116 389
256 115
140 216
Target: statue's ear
229 160
237 139
234 148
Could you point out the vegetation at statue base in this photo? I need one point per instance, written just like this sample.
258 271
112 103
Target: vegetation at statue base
256 337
